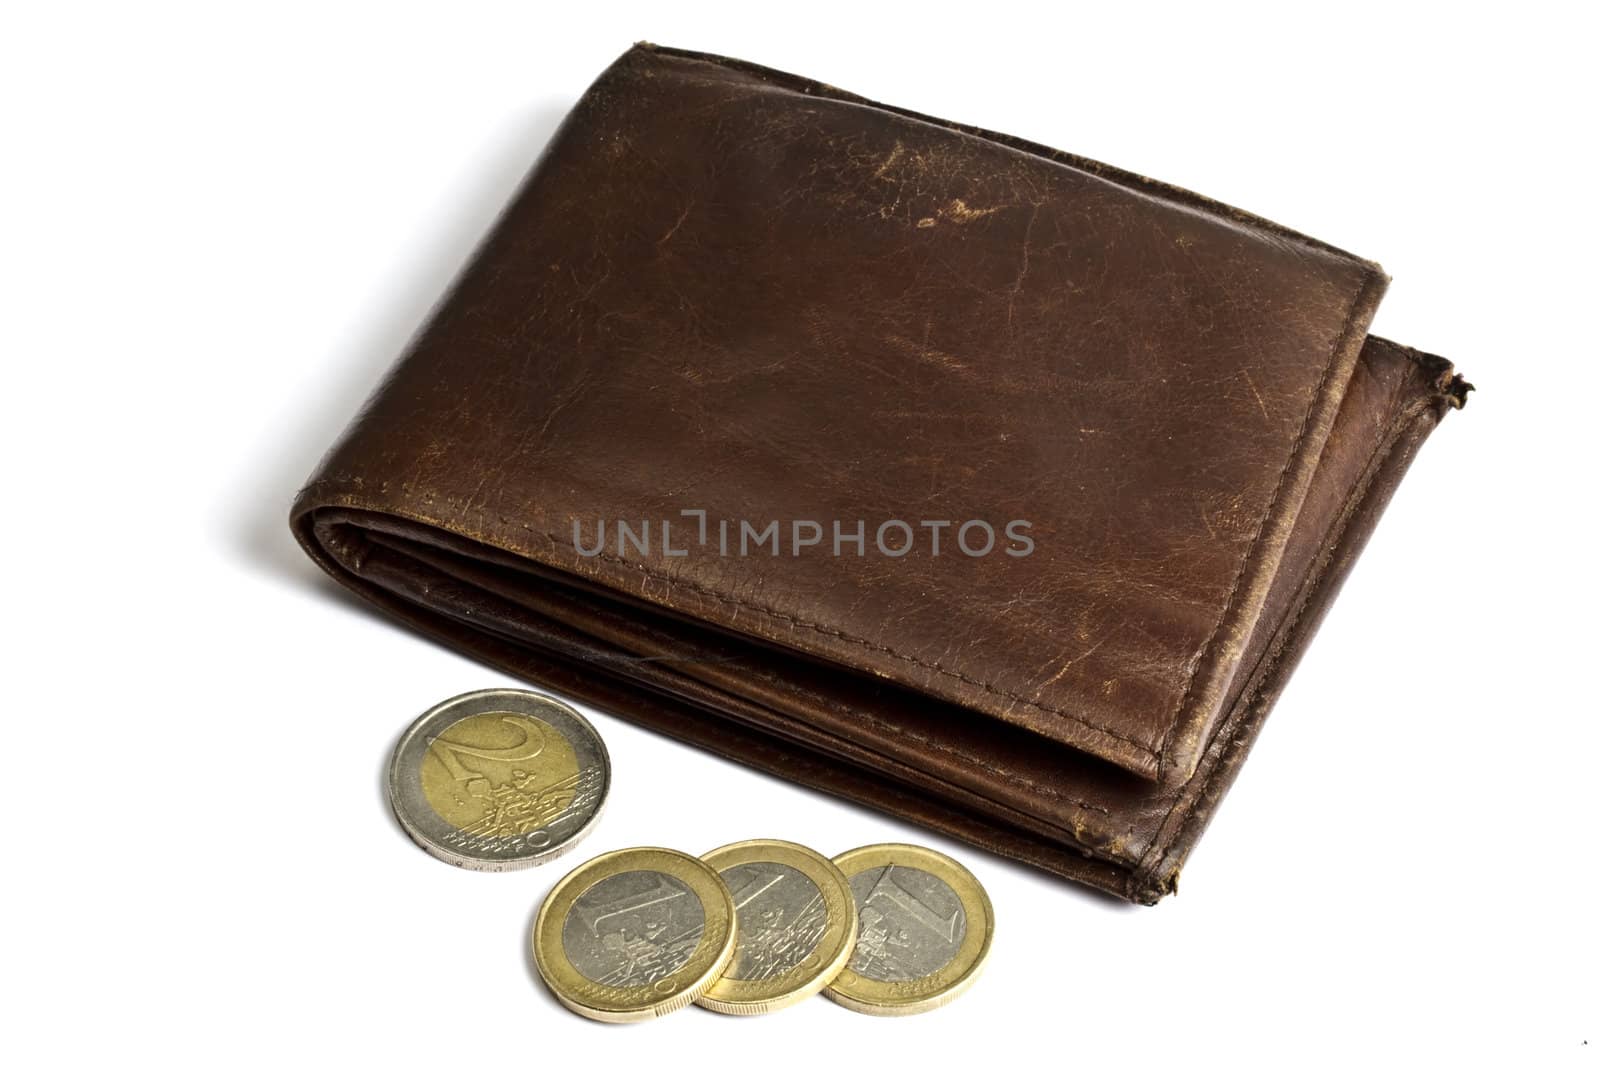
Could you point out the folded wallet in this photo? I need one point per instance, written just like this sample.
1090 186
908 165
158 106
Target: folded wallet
976 482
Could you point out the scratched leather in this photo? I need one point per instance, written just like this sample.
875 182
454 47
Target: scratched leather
730 289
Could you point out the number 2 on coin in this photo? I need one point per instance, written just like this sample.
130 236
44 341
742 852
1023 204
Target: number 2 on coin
450 752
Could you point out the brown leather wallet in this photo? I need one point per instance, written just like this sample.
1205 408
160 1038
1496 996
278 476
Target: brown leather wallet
974 481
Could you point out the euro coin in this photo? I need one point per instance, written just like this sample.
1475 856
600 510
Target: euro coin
797 925
634 934
925 929
499 779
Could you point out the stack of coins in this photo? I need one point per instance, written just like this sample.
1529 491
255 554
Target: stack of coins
756 926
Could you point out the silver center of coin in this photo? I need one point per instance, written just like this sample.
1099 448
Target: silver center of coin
912 923
781 919
633 928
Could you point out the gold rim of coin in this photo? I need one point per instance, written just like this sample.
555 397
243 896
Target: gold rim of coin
831 908
639 967
944 983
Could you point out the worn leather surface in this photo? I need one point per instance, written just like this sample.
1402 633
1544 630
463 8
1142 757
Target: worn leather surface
733 291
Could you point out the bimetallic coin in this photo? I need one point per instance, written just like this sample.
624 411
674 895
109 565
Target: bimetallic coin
797 925
926 925
634 934
499 779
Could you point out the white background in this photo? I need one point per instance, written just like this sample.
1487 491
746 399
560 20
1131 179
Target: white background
218 227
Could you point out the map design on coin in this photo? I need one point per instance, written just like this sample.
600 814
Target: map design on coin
782 918
912 923
633 929
518 808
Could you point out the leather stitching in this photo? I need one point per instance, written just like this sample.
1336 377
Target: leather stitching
1395 420
793 620
840 635
1154 856
939 746
361 549
1264 669
1181 711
